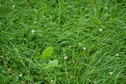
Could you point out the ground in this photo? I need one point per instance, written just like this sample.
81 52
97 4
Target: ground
84 40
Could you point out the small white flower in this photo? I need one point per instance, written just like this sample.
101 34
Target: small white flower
65 58
106 8
33 31
20 75
100 30
117 54
84 48
79 43
13 6
110 73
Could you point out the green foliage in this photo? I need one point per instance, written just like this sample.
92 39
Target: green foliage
47 52
52 63
89 38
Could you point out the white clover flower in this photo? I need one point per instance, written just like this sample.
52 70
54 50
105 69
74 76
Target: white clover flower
65 58
117 54
84 48
20 75
79 43
13 6
100 30
110 73
33 31
106 8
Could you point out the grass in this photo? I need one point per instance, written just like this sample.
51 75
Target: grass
88 39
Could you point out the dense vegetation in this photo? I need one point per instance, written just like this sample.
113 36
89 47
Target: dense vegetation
85 41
